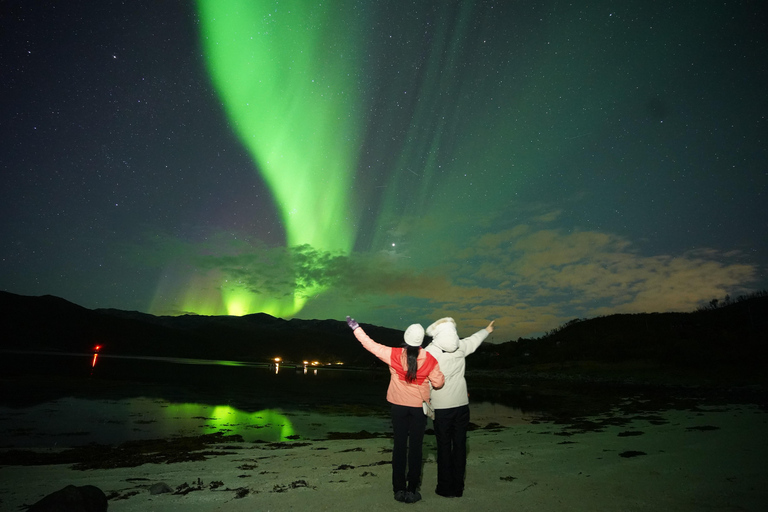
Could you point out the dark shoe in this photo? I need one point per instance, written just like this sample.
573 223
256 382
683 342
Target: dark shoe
412 497
400 496
444 493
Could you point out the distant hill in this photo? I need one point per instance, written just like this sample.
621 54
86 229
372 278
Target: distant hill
727 335
49 323
730 335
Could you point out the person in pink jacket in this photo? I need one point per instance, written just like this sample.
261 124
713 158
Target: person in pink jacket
412 370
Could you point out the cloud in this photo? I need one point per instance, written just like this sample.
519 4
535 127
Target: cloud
549 216
598 273
528 278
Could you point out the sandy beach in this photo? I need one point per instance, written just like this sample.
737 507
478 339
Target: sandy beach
704 458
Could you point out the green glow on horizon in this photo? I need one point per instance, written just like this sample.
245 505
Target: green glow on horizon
240 301
234 300
286 75
197 298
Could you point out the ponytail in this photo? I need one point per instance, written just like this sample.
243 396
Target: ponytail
412 363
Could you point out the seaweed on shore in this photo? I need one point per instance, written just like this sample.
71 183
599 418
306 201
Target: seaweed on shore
631 453
363 434
128 454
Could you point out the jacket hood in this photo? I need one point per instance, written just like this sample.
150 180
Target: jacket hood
444 334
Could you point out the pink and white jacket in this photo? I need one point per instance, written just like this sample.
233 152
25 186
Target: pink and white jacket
401 392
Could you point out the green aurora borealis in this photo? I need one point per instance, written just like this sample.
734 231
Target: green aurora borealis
290 78
286 79
452 126
530 162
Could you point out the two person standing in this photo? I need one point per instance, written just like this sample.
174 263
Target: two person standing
413 371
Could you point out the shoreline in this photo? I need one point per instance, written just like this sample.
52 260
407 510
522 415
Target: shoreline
702 458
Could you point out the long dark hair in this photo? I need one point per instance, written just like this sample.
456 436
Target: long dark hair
412 362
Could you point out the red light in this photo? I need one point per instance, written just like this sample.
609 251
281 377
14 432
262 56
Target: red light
96 349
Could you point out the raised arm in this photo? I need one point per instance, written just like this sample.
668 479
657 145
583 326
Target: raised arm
470 344
383 352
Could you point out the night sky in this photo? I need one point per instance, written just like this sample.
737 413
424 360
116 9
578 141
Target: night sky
397 161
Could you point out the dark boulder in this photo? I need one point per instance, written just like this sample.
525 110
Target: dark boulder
160 488
87 498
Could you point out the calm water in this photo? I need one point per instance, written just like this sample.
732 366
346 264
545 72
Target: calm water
55 400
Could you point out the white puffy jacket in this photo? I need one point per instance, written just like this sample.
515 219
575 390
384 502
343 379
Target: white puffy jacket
450 352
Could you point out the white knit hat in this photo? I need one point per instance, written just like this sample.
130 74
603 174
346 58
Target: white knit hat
414 335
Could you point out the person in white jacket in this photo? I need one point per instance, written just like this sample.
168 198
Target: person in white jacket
451 403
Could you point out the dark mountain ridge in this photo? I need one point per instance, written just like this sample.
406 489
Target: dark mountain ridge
49 323
728 334
728 337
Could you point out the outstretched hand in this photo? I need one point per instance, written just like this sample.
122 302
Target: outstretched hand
353 324
489 328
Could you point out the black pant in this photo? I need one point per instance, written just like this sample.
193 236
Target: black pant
451 435
408 424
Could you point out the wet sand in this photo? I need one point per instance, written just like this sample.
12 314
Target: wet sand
625 459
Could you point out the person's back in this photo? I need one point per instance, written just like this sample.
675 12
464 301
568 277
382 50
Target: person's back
450 352
412 372
451 403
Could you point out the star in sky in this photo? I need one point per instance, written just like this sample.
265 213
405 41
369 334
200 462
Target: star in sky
530 162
